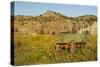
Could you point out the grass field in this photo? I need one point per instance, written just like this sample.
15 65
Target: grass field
39 49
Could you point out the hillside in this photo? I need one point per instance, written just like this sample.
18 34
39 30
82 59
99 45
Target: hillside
34 38
53 23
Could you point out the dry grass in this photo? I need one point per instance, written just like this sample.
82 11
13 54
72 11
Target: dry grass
39 49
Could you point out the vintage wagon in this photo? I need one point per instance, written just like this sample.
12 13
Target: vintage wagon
72 42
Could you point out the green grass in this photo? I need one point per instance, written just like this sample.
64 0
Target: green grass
39 49
69 37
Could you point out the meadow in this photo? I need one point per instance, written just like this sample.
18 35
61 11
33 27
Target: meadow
39 49
36 36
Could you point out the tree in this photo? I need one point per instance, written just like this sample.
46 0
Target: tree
16 29
53 33
48 32
42 31
74 28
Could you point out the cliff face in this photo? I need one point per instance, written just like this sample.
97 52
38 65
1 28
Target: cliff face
54 23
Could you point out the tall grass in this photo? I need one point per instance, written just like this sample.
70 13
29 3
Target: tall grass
39 49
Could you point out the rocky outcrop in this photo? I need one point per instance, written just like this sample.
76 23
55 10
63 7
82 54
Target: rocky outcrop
55 23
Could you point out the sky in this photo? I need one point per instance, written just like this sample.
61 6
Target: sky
35 9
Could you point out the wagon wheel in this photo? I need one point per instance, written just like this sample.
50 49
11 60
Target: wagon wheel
72 46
